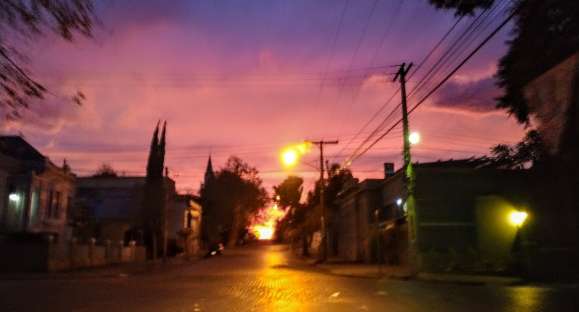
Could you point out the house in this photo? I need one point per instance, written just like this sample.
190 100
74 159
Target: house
111 208
354 219
188 224
457 218
35 193
553 103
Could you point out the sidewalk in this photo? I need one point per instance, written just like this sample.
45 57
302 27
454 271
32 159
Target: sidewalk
465 279
111 271
373 271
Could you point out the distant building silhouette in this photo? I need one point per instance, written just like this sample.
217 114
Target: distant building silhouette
209 174
210 220
188 224
111 207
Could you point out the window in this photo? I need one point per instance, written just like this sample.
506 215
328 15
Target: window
48 212
34 205
68 205
56 205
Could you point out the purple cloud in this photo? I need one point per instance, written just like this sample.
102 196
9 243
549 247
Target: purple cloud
474 96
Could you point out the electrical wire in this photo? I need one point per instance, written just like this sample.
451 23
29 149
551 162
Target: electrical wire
446 78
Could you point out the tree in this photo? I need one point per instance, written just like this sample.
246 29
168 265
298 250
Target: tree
154 194
30 19
338 178
545 30
304 220
289 192
105 171
288 195
238 194
526 153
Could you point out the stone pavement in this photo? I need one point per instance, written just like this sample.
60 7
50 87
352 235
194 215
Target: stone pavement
265 278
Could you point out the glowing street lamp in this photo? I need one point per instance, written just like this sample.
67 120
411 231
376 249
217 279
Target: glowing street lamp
414 138
517 218
13 197
289 157
291 154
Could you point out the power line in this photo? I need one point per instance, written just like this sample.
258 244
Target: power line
377 113
446 78
451 48
359 44
385 34
332 47
461 44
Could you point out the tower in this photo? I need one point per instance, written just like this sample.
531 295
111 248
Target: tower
209 174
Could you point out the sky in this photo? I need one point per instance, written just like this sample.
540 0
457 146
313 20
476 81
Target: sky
247 78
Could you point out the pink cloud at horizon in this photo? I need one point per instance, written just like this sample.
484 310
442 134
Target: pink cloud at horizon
247 80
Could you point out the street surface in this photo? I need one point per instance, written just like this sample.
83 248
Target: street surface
263 278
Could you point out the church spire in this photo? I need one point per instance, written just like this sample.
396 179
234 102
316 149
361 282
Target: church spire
209 174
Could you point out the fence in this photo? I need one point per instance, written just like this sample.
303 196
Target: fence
50 256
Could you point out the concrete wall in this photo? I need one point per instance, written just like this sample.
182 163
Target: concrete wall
495 234
460 212
347 236
42 257
551 98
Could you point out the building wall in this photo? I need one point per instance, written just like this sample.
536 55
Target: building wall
49 198
43 200
457 215
356 214
553 100
455 218
348 243
550 98
112 208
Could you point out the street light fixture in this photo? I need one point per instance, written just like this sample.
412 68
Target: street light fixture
13 197
414 138
289 157
291 154
517 218
399 202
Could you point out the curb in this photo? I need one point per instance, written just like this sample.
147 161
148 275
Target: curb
472 280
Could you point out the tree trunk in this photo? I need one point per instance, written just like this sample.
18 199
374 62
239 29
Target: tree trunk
154 243
234 232
305 245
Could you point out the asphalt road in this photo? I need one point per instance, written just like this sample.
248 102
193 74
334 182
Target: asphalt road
263 278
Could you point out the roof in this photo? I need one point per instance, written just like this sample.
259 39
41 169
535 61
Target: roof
16 147
472 163
115 181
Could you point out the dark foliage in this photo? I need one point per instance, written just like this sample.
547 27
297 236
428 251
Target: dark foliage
524 154
289 192
29 19
235 194
155 194
545 33
302 220
462 7
105 171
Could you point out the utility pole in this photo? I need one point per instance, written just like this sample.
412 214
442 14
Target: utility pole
325 244
408 171
401 74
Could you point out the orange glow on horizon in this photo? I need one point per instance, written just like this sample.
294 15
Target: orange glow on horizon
266 221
